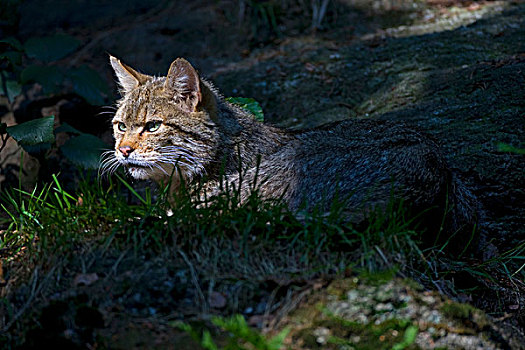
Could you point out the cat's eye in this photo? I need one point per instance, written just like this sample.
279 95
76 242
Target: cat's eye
121 126
152 126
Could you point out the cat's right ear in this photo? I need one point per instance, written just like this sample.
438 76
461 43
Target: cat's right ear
128 78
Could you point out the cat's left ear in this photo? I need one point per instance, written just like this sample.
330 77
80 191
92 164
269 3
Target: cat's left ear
182 82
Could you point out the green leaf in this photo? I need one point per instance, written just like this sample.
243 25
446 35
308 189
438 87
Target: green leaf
408 339
65 127
248 104
13 89
51 48
34 132
84 150
207 341
277 341
181 325
88 84
503 147
14 57
38 148
410 335
13 42
50 77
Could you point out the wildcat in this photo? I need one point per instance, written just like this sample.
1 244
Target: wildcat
179 127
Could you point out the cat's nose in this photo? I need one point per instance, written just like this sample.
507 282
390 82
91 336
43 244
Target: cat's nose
126 150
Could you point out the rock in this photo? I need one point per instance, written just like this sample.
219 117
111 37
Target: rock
428 319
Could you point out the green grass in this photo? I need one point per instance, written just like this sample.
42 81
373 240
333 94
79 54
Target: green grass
237 335
50 219
48 226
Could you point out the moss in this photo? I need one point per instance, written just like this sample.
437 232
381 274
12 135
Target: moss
357 335
466 314
341 327
306 337
410 283
378 278
340 287
457 311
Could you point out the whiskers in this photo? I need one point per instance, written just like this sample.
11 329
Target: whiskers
151 162
180 156
107 111
108 163
164 161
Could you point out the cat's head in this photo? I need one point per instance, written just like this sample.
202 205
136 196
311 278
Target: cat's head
164 127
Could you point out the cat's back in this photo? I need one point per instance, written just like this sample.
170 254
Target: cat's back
375 145
359 156
365 133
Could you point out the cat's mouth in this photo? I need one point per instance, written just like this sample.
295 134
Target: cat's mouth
138 171
142 169
134 164
134 167
137 166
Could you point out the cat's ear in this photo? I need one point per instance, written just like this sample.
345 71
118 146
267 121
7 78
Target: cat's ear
128 78
183 84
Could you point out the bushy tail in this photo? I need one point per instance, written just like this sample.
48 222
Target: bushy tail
464 216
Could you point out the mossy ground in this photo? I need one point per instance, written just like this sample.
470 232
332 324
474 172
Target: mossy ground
386 313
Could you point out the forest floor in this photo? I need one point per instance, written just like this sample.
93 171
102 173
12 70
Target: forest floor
455 69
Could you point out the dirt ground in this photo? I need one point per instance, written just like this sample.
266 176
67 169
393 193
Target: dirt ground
452 68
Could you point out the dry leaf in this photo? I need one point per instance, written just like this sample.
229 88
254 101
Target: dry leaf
85 279
217 300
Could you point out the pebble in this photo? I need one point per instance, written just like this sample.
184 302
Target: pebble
352 295
380 307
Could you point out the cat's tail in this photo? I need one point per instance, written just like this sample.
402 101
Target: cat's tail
465 217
